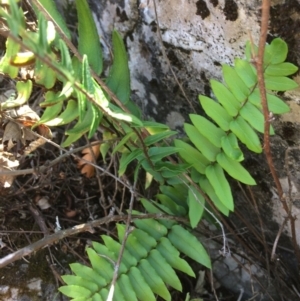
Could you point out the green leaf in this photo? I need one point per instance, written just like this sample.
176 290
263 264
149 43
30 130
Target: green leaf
50 7
24 89
246 134
169 203
97 117
117 113
235 83
282 69
87 80
89 42
67 116
196 204
124 140
96 297
140 286
50 113
153 280
149 168
15 19
79 281
132 244
43 37
75 291
170 170
145 239
216 112
171 255
12 48
209 150
189 245
235 169
191 155
276 52
119 77
246 72
71 138
52 98
220 184
66 60
208 129
254 117
114 249
104 293
231 148
279 83
82 105
126 288
209 190
44 75
178 193
127 158
158 137
163 269
155 127
83 126
102 266
118 293
154 228
226 98
276 105
87 273
156 153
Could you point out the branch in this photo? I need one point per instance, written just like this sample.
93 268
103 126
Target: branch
50 239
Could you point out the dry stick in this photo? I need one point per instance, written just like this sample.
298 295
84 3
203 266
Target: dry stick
168 61
262 231
127 232
50 239
262 89
273 254
52 163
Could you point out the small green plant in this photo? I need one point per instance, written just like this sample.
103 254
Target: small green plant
191 187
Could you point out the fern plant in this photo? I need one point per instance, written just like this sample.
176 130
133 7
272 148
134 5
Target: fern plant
190 187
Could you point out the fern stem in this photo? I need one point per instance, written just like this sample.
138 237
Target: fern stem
261 83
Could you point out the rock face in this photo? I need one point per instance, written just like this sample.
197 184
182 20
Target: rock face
192 37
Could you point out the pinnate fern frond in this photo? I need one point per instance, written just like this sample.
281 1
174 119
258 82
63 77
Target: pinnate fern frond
235 116
151 254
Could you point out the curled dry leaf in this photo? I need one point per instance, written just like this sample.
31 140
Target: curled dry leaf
87 169
7 163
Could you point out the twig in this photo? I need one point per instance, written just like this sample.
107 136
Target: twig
273 254
262 232
39 219
262 89
128 230
50 239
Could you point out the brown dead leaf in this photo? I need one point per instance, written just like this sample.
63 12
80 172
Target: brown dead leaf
87 169
12 132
